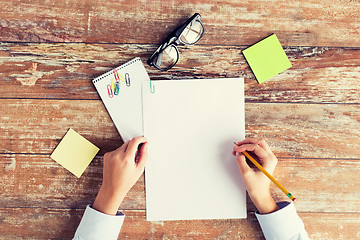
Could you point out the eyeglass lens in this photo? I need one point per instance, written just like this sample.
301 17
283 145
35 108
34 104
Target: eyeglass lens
169 56
192 33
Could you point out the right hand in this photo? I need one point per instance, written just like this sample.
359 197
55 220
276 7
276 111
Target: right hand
257 183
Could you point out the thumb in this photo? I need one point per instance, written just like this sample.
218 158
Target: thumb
143 155
241 161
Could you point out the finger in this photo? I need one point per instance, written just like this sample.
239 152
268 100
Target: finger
266 159
249 141
137 154
143 155
264 145
261 141
242 164
133 145
255 148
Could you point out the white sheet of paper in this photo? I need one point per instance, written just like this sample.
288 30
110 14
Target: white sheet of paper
191 126
125 109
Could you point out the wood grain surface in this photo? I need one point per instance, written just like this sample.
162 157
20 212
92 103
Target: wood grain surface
318 74
61 223
310 114
29 180
298 23
293 130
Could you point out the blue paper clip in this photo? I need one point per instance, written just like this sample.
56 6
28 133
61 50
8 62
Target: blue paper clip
127 79
117 88
152 87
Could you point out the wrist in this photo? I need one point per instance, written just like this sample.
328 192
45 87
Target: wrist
265 204
107 201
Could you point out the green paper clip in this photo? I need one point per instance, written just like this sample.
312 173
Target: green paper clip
117 88
152 87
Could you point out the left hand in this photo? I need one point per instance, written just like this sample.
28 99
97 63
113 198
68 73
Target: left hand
122 168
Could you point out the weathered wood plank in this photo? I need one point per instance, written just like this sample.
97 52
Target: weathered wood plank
308 23
319 226
37 181
306 130
30 223
38 223
24 123
293 130
318 75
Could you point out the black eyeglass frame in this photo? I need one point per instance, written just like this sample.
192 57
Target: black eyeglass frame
174 39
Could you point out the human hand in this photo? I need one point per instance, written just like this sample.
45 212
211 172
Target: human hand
256 182
121 170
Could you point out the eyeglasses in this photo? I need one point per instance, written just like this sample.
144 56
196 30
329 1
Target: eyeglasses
167 54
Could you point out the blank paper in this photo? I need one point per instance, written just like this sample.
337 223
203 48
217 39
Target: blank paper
191 126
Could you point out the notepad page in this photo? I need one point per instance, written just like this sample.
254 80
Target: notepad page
124 101
191 172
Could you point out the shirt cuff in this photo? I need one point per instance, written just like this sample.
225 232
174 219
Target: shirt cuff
282 224
98 225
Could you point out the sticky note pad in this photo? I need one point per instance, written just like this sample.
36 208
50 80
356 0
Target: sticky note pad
267 58
74 152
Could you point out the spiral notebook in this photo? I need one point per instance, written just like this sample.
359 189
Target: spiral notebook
121 92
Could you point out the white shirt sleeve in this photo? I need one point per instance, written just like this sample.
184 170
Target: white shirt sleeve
97 225
284 224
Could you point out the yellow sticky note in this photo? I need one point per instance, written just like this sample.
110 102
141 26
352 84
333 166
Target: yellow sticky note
74 153
267 58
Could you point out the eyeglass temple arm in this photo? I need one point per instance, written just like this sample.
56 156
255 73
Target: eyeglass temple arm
177 32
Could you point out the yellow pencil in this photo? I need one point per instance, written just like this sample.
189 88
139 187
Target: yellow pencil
268 175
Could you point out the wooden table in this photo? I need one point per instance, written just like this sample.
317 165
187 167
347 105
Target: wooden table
310 114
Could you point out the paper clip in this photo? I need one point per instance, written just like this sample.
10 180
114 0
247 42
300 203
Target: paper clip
116 74
152 87
110 91
117 88
127 79
112 84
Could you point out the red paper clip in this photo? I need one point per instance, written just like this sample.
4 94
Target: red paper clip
110 91
116 74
